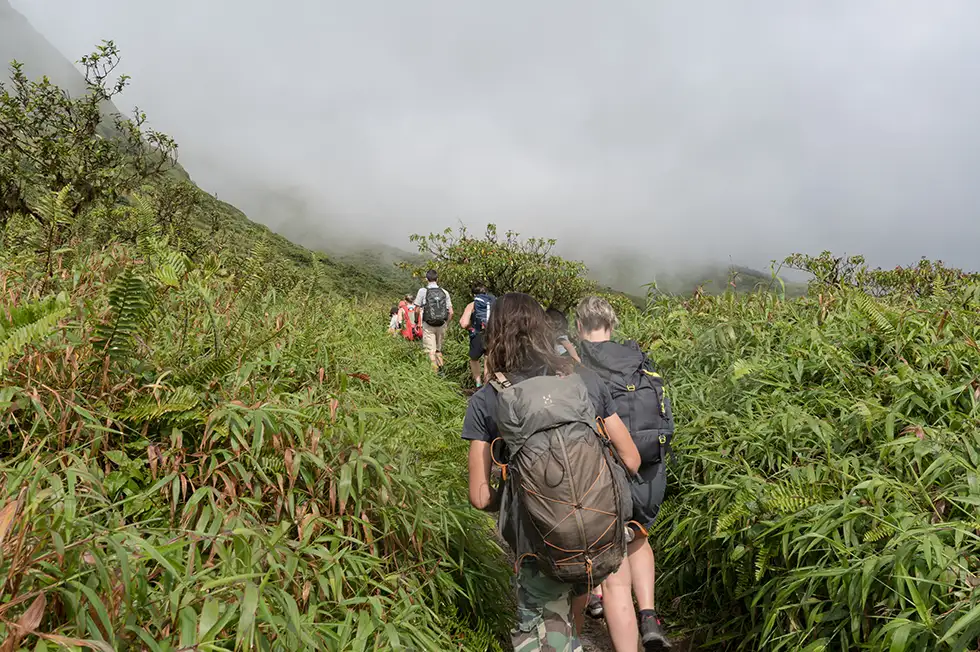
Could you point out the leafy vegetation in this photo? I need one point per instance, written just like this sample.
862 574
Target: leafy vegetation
827 496
208 441
204 446
504 265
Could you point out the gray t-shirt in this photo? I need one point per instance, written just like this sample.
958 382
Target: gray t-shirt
480 423
420 296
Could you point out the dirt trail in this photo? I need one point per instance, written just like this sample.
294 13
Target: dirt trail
595 638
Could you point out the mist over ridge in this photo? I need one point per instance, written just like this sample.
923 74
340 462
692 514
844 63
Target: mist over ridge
681 133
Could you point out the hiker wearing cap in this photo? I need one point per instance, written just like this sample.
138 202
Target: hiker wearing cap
437 310
564 497
637 390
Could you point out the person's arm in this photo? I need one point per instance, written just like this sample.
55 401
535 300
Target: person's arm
449 304
467 318
621 441
482 495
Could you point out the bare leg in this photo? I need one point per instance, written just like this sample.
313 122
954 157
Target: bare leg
578 612
644 570
617 599
476 370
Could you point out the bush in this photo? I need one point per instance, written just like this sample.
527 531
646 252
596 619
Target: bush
826 496
503 265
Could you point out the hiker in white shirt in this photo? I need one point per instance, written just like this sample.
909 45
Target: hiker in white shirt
437 311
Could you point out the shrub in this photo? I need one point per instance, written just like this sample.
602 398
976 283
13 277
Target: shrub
503 265
826 496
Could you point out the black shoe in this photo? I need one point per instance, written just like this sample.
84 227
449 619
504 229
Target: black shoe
652 633
594 608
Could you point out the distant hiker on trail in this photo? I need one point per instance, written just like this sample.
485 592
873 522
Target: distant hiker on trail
394 324
638 392
564 498
474 319
563 345
437 310
411 326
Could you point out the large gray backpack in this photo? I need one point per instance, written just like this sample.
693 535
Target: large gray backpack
564 493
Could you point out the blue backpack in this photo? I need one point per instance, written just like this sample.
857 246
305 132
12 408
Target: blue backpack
481 311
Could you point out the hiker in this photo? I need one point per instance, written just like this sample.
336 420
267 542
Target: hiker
563 345
411 328
476 314
437 310
638 392
394 323
535 411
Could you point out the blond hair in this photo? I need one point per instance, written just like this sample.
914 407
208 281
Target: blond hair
594 314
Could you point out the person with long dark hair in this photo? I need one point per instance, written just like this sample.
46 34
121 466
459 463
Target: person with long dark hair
520 345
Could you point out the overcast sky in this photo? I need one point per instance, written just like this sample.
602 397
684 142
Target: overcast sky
706 130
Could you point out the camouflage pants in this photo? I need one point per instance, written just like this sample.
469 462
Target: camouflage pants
544 614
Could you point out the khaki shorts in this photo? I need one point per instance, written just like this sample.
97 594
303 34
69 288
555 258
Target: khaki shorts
432 338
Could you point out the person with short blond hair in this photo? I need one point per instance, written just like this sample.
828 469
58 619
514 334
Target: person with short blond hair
638 393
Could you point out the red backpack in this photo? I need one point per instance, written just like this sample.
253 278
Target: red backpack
410 331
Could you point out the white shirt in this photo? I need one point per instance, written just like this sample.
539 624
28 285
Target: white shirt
420 297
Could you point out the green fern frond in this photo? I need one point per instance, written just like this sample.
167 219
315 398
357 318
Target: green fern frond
874 312
878 533
736 512
790 498
131 300
762 562
30 324
53 206
181 405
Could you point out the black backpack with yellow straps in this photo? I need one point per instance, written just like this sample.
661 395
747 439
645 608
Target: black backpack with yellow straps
639 394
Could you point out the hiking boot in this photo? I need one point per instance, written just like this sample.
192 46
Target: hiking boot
594 608
651 631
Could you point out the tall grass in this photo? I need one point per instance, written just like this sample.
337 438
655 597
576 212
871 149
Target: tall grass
197 457
827 492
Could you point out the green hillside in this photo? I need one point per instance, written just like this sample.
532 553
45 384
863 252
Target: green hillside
208 440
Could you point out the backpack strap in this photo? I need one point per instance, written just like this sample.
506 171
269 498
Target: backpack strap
502 380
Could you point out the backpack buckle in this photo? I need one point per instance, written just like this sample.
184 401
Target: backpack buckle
663 439
631 388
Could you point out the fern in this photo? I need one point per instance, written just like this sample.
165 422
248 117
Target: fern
29 325
182 404
762 562
131 300
874 312
879 532
735 512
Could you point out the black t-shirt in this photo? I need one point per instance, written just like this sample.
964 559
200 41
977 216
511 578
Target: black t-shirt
480 423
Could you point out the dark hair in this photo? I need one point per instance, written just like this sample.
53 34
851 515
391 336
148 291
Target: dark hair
409 298
479 288
394 310
519 337
558 321
431 276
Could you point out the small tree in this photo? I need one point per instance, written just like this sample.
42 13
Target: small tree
508 264
50 141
